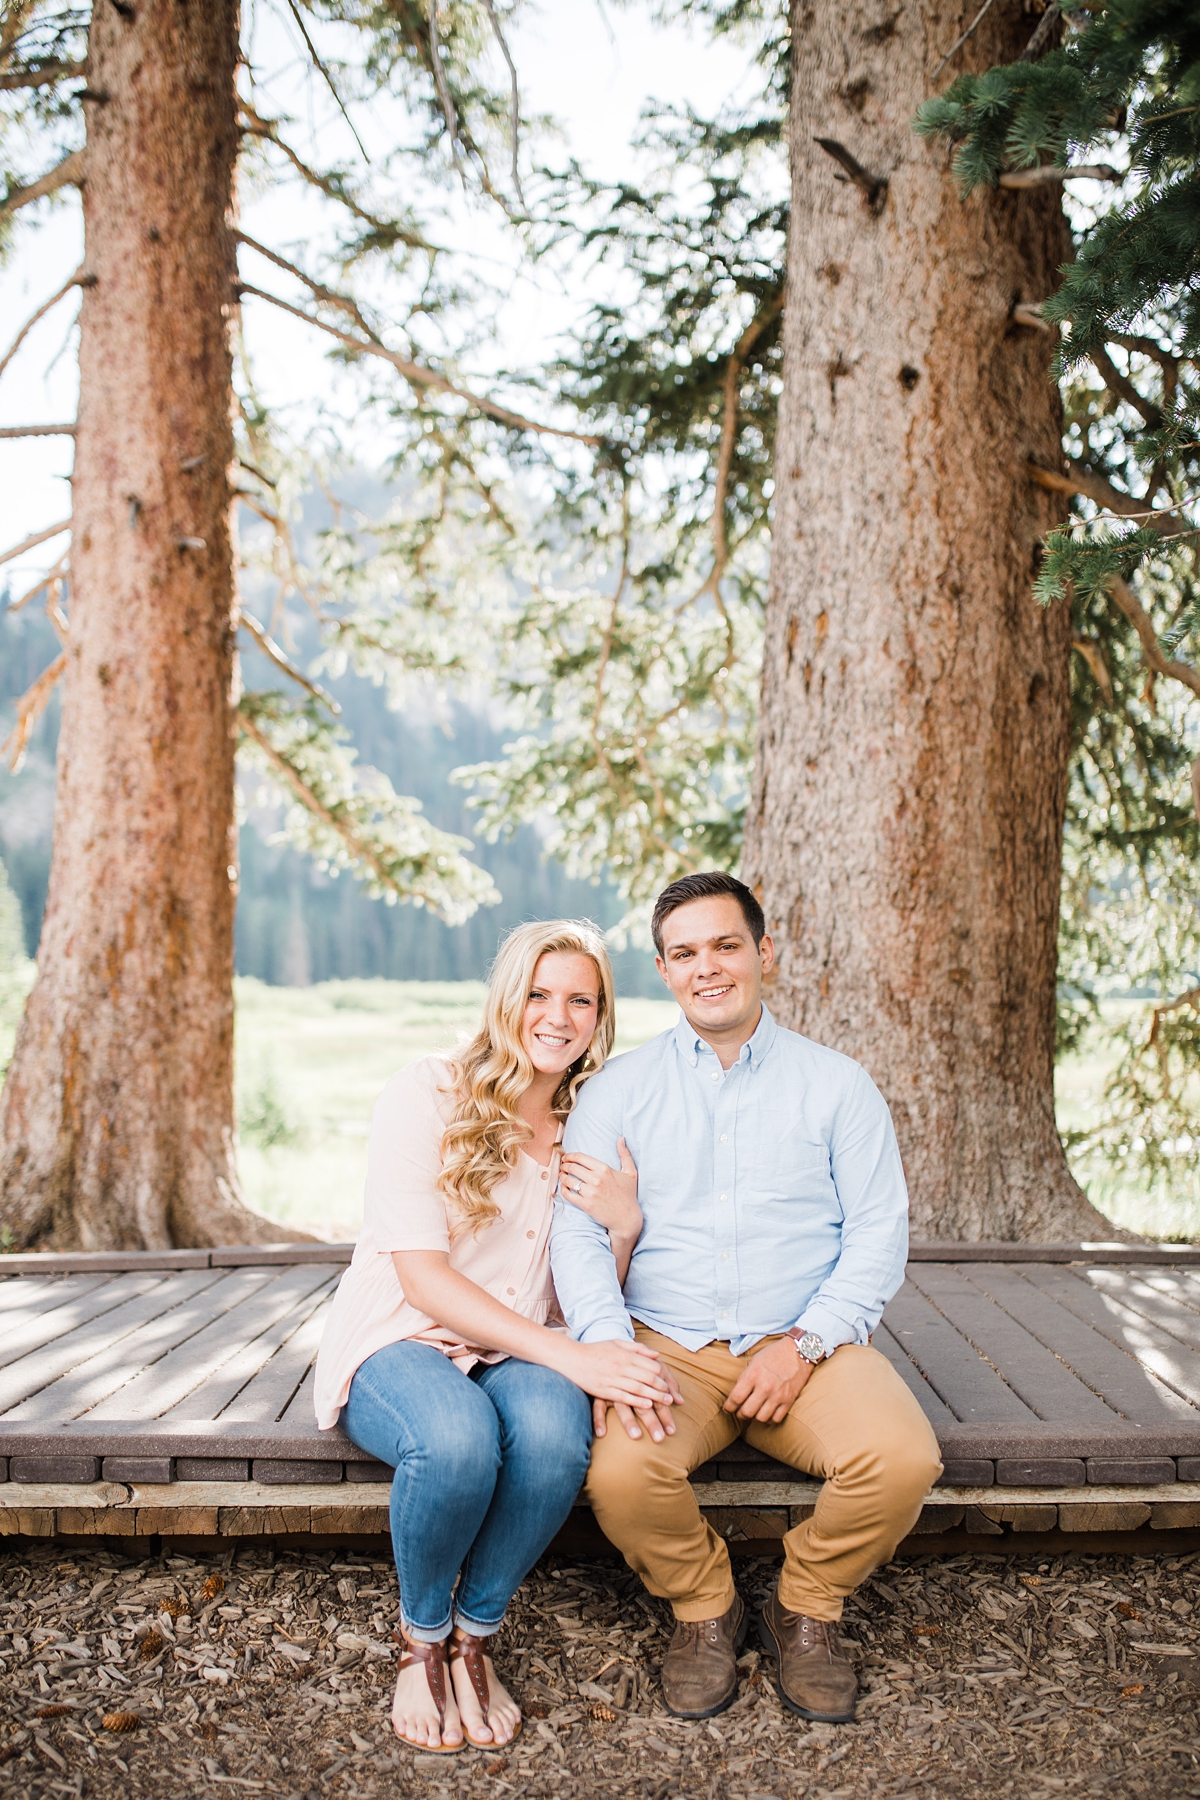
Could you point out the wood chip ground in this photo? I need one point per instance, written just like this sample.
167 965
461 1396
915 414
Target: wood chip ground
268 1674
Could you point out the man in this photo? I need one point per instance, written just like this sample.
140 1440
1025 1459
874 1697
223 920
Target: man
773 1232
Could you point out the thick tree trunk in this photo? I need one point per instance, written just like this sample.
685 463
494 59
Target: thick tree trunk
117 1127
906 827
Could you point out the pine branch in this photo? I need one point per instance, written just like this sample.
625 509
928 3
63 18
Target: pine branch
24 431
40 585
1044 27
34 539
282 660
1093 656
1128 603
43 77
78 279
419 377
1047 174
1094 487
30 708
316 288
1121 385
268 129
958 43
515 109
729 427
874 187
329 82
68 173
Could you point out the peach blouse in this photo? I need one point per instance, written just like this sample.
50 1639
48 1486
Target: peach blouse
403 1210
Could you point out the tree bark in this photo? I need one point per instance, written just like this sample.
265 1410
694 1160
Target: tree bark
117 1125
907 814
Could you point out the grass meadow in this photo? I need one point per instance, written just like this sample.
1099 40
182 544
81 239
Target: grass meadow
312 1060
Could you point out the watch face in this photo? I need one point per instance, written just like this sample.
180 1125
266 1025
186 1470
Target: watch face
811 1347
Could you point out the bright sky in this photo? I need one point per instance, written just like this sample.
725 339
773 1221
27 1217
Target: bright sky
591 67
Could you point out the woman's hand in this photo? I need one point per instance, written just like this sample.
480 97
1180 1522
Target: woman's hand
620 1373
607 1195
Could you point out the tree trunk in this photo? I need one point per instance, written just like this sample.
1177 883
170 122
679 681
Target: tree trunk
117 1127
906 829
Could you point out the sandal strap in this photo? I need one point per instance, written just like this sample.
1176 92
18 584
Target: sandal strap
433 1657
470 1651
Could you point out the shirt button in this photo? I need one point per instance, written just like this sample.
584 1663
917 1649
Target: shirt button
545 1174
724 1138
714 1078
724 1258
724 1315
724 1196
531 1234
510 1290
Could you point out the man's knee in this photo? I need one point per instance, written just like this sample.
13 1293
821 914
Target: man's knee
627 1471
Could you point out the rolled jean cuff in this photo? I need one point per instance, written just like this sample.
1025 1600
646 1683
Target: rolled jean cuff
426 1634
473 1627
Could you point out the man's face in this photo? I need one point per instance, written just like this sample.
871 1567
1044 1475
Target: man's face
712 965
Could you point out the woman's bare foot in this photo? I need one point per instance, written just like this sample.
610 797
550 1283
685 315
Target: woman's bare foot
415 1713
504 1715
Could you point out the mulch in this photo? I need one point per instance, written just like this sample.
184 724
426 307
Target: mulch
256 1672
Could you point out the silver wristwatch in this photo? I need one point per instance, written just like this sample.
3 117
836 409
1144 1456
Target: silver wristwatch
808 1345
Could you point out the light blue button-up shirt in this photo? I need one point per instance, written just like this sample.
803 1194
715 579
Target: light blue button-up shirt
772 1194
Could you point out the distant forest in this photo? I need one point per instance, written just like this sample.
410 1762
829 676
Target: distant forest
295 924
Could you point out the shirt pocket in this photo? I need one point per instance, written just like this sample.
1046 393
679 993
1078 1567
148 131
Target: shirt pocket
785 1166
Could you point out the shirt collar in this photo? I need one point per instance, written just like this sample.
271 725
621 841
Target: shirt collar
753 1051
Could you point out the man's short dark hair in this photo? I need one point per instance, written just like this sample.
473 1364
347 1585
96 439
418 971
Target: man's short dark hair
709 884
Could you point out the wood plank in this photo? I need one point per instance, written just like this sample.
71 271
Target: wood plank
39 1262
29 1331
116 1333
959 1376
1048 1388
241 1304
1152 1300
225 1382
1163 1355
942 1250
268 1396
1115 1374
935 1410
302 1407
18 1293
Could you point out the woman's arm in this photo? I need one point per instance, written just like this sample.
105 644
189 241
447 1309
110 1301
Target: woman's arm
609 1196
617 1370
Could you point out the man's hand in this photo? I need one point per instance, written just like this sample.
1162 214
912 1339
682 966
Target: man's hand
770 1384
656 1420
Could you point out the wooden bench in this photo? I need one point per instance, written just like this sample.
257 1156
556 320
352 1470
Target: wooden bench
169 1394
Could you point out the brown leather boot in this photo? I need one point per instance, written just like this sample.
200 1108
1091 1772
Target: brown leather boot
699 1672
813 1678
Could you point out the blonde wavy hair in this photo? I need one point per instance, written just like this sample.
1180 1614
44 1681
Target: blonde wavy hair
485 1134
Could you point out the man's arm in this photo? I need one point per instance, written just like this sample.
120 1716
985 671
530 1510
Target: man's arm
869 1178
867 1173
581 1257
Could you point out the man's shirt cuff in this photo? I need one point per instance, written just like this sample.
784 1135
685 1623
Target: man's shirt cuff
831 1330
603 1331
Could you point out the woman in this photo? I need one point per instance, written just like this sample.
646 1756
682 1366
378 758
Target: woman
445 1355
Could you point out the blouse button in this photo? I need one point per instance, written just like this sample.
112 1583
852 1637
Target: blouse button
531 1234
545 1174
510 1290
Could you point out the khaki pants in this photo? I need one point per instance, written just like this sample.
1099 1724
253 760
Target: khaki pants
855 1425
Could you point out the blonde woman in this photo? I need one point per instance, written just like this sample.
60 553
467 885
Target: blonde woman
445 1356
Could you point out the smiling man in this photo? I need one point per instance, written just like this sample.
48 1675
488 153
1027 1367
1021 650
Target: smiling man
773 1231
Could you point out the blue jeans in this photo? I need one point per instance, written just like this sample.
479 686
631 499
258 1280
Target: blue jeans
487 1467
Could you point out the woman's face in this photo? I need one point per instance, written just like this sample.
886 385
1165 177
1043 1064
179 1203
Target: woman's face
561 1012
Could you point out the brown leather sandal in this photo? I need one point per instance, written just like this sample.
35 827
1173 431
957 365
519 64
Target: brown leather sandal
470 1652
433 1656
